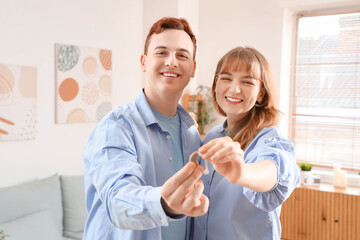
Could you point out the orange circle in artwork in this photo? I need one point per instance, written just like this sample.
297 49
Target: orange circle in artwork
105 59
105 84
89 66
76 116
7 80
68 89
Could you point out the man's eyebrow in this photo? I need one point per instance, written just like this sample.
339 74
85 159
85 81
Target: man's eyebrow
160 47
184 50
178 49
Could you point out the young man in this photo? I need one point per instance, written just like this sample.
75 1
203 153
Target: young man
133 153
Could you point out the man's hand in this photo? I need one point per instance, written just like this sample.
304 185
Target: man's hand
183 192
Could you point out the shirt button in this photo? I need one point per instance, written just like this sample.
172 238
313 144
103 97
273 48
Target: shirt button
170 158
168 137
163 221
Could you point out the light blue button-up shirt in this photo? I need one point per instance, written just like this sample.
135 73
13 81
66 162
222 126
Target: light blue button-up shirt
240 213
127 160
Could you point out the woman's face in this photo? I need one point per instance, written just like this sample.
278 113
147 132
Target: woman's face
236 93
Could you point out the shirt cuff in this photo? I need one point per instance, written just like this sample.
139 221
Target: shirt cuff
154 205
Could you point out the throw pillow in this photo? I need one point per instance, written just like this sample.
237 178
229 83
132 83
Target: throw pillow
73 199
27 198
36 226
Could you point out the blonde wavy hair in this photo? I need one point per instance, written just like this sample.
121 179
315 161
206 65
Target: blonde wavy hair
264 113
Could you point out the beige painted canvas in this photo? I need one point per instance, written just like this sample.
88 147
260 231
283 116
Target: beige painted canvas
17 102
83 83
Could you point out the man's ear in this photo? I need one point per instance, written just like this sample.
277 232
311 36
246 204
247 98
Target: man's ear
193 73
142 62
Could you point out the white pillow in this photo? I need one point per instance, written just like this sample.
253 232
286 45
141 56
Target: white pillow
30 197
73 200
36 226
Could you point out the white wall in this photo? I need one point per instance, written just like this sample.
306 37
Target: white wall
29 29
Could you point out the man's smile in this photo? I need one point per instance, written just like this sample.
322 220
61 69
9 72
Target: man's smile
170 74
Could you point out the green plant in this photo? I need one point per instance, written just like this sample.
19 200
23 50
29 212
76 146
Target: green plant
305 166
200 104
3 235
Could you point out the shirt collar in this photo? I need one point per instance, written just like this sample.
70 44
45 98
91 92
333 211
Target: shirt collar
223 129
149 118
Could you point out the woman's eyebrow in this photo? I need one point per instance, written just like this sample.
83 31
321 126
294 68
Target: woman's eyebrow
225 73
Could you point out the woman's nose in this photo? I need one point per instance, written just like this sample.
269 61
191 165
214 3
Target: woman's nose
236 88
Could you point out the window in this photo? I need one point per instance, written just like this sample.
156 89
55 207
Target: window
325 119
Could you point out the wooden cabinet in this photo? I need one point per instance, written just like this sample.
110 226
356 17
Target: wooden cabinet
321 213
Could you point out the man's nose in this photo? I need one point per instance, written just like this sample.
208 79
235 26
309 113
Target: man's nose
171 61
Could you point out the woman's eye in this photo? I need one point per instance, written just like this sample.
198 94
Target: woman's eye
249 82
160 53
225 79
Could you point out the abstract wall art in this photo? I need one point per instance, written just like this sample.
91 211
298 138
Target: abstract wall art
83 83
18 86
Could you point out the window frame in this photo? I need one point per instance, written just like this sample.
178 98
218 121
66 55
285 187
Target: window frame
292 102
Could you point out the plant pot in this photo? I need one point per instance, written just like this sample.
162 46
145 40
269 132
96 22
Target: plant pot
305 177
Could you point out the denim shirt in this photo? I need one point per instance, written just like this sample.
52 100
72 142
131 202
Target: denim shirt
127 159
240 213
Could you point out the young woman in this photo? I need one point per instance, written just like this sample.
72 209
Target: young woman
253 168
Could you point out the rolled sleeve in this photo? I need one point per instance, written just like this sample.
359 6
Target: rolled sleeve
282 153
132 216
117 177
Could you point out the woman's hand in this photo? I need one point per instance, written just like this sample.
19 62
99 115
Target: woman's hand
227 157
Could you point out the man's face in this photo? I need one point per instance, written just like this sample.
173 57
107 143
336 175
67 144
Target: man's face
169 63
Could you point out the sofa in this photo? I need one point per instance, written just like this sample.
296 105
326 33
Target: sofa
51 208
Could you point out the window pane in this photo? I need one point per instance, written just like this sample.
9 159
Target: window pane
326 112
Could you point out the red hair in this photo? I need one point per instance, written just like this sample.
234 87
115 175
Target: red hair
170 23
264 113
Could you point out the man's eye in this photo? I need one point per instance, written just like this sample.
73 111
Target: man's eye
160 53
183 56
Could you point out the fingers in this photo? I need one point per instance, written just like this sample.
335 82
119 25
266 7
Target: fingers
196 203
177 179
176 188
220 149
202 208
183 193
193 199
